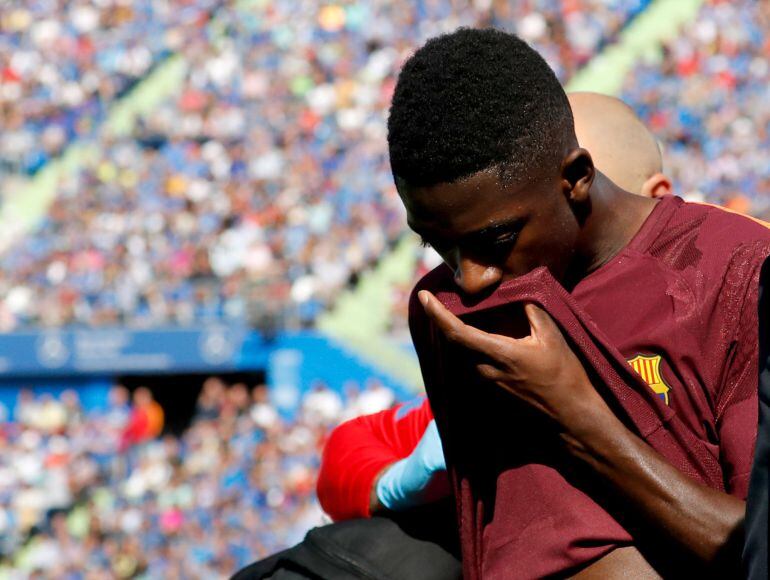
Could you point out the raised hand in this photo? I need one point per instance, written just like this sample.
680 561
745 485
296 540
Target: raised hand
539 369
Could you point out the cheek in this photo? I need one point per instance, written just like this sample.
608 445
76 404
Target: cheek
550 244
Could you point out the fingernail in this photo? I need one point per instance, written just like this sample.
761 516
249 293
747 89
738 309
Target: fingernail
423 296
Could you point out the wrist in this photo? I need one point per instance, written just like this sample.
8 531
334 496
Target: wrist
592 429
579 406
585 415
375 505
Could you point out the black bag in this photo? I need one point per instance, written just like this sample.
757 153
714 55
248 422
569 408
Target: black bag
418 546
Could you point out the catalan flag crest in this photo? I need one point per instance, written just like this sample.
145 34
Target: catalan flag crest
648 367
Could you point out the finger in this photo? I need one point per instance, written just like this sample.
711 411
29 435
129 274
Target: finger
457 331
490 372
540 321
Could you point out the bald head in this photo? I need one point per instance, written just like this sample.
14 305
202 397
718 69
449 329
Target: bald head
623 149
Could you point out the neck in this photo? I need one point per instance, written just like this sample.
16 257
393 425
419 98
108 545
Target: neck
614 218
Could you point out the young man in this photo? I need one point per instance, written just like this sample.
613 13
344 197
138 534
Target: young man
374 462
485 158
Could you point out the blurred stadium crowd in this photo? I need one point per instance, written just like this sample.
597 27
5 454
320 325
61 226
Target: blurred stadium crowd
707 103
265 179
101 493
261 187
63 63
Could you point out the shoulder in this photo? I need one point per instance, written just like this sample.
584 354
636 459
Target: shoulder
707 241
734 247
721 224
712 230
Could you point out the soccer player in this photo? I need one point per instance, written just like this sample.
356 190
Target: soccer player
485 159
374 462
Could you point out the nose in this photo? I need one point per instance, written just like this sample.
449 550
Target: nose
473 276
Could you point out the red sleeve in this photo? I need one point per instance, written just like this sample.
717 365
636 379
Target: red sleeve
359 449
737 404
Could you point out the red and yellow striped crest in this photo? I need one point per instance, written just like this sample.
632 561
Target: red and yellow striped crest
648 367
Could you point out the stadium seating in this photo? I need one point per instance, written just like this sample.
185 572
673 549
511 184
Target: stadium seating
62 64
87 492
265 180
707 103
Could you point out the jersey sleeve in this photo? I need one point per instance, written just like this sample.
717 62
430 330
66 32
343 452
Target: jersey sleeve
737 403
358 450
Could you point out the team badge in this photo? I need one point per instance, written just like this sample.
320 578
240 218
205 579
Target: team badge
648 367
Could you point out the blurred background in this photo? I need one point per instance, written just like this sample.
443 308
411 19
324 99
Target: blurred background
204 265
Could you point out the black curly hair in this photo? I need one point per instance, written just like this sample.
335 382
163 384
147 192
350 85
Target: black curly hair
472 100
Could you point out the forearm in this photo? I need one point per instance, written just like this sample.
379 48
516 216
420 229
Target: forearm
352 461
701 520
415 480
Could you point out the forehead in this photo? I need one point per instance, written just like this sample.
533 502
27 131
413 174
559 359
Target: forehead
469 204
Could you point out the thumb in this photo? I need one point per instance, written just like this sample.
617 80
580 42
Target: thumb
540 322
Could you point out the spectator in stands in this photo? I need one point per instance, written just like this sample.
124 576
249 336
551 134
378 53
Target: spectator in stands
217 206
707 102
62 64
210 399
145 421
235 486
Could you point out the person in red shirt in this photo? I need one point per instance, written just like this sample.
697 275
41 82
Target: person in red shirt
359 452
381 449
485 159
145 421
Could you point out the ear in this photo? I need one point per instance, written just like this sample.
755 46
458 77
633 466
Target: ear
657 186
577 175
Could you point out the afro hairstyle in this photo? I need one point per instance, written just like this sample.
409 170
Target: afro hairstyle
473 100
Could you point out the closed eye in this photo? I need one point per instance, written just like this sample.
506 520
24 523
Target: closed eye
495 246
492 240
506 240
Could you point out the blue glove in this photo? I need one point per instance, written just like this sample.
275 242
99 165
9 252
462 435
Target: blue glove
417 479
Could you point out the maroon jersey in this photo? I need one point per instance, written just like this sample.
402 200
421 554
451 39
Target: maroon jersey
668 333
